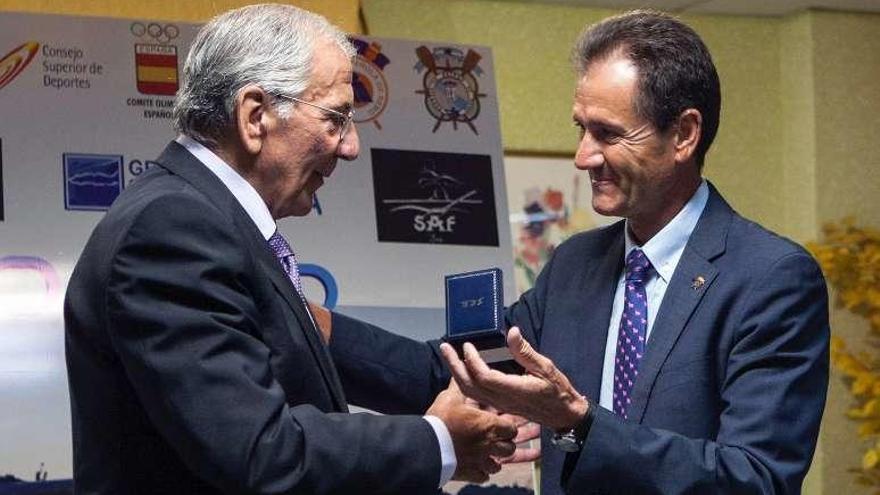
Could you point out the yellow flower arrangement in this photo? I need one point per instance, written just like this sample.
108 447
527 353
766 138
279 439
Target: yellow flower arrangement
850 258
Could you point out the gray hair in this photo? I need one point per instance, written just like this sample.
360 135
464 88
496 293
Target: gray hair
269 45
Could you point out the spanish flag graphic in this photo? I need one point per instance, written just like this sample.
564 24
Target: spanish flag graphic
156 69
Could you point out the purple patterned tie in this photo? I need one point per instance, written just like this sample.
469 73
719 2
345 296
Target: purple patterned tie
633 329
288 260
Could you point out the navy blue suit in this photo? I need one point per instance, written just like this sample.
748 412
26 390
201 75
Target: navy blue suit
730 392
194 367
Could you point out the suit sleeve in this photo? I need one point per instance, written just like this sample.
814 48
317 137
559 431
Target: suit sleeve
184 325
386 372
771 403
527 313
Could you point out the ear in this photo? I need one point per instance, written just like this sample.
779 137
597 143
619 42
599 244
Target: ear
251 114
687 135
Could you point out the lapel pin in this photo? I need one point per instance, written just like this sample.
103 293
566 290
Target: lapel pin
698 282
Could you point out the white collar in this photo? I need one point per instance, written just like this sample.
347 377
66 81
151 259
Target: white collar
665 248
243 191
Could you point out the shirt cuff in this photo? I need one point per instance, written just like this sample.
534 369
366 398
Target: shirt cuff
448 462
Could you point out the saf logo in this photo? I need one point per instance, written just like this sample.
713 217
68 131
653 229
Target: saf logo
471 303
433 223
438 218
431 197
434 214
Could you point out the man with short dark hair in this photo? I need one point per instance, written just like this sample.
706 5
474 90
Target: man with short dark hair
193 360
681 350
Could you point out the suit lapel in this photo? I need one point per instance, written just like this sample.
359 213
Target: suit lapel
602 282
283 285
181 162
691 280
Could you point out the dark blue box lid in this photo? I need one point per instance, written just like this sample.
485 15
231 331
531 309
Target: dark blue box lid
474 304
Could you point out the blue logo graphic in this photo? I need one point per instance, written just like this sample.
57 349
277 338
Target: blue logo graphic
91 182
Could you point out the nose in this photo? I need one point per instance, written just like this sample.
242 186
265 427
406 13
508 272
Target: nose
350 145
589 154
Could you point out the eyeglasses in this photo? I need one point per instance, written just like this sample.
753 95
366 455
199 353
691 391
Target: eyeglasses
342 121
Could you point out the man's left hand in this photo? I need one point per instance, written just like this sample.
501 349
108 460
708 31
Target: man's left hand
544 394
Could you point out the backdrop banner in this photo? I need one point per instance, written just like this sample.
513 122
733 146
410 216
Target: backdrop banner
86 106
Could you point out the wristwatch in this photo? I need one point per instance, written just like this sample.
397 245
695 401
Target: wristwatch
573 439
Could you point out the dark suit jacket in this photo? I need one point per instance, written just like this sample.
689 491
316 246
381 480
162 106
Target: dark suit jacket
194 367
731 390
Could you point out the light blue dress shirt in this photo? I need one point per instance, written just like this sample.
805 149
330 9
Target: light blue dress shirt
663 251
256 208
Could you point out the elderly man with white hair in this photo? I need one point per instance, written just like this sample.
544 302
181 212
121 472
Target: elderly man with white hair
194 362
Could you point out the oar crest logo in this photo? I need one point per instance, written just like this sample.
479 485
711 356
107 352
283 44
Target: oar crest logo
452 93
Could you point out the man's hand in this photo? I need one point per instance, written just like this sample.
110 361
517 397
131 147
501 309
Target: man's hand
480 437
525 432
543 395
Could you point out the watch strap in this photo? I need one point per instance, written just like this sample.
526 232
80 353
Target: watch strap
573 439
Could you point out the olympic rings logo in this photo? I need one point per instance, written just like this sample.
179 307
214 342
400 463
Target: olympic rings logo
158 32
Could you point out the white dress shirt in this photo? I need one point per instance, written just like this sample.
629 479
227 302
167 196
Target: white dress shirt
663 251
256 208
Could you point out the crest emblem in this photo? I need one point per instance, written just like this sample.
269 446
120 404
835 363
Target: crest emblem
156 62
451 91
368 82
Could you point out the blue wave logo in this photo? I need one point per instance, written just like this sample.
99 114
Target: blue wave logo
91 182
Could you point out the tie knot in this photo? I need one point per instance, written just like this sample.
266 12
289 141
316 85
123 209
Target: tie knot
638 267
280 246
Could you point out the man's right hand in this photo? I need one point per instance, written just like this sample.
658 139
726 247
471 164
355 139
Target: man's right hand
543 394
480 438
